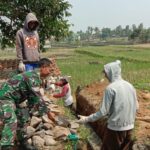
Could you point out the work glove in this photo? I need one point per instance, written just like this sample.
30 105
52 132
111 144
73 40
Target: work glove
21 67
83 119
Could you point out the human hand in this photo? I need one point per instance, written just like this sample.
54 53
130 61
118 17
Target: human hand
83 119
45 98
21 66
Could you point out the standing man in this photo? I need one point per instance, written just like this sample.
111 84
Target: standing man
120 105
21 87
27 44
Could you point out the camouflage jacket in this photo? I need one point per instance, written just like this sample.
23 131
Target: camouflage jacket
21 87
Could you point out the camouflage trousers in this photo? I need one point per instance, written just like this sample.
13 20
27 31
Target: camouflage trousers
9 123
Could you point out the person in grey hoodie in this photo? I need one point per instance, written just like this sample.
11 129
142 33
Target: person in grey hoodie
120 105
27 44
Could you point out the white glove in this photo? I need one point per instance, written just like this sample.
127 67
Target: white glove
45 98
83 119
21 67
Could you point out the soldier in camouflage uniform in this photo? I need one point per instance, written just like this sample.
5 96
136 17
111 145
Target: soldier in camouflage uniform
21 87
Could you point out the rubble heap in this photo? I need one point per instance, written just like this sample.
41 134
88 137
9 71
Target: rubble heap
55 71
45 134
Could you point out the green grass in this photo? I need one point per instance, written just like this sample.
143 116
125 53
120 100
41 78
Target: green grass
85 64
7 54
78 64
135 66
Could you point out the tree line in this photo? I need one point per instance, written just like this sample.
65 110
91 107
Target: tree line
134 33
53 17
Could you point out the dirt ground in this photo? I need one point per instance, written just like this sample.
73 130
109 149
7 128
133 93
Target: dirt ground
89 99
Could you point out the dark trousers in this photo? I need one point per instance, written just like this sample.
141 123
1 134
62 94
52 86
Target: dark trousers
117 140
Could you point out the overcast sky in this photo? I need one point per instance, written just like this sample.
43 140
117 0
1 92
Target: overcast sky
108 13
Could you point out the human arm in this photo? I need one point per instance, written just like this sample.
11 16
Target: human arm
39 103
19 50
19 45
104 109
36 96
63 92
38 43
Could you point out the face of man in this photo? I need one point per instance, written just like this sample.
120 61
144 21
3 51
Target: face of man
32 25
44 71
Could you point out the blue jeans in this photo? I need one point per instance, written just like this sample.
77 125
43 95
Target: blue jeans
30 67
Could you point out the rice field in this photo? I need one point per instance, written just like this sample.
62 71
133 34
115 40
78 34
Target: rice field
85 64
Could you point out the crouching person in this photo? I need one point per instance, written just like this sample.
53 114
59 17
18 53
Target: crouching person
65 92
21 87
120 105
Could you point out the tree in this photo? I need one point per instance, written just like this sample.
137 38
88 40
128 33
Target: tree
119 30
89 32
50 13
97 32
138 33
127 31
105 33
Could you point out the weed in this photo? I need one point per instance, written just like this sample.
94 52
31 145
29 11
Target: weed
84 133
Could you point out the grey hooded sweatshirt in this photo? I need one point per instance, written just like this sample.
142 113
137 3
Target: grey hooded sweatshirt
119 101
27 42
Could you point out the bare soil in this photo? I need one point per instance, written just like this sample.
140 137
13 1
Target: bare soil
90 97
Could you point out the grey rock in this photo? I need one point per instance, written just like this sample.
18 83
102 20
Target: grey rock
40 133
49 140
35 121
49 132
38 142
60 132
74 125
139 146
47 126
30 131
73 131
29 141
45 119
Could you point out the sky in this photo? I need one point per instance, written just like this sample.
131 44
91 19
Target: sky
108 13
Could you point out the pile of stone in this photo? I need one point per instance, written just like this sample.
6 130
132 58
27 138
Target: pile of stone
55 71
46 134
8 64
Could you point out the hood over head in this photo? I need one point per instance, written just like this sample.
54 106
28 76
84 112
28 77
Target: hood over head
31 17
113 70
66 78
